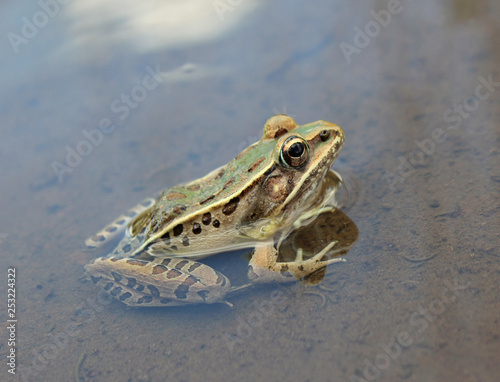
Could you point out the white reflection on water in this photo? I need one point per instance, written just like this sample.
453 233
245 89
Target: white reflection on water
151 25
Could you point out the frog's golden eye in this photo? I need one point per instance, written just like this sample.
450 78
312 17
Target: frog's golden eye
294 152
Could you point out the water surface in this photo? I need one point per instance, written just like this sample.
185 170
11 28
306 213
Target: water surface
416 89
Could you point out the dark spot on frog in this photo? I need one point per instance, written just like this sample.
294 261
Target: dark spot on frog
190 280
181 292
120 222
228 183
230 207
111 228
280 131
256 164
154 290
93 278
206 219
116 276
180 264
284 268
108 286
166 262
178 209
203 294
144 300
207 199
165 300
166 238
115 291
216 223
114 259
175 195
127 248
140 287
194 187
97 238
220 174
173 248
158 269
270 170
139 263
178 229
173 273
131 282
194 266
185 241
196 228
125 296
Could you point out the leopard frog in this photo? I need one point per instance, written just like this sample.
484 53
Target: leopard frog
273 187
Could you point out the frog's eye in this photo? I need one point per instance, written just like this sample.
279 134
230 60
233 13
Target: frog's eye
294 152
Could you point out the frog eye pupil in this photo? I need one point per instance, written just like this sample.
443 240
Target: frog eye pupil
296 150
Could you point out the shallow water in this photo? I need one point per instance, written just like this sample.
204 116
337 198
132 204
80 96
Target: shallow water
418 98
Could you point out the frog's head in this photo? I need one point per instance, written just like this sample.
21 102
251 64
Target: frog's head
302 156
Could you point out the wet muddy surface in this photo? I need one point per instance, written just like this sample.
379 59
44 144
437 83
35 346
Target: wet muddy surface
105 103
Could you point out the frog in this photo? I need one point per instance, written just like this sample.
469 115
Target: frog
272 188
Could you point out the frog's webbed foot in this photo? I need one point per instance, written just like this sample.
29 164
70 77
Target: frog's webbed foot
161 282
264 266
117 226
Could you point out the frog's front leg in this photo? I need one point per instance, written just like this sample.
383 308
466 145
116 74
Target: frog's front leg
265 268
161 282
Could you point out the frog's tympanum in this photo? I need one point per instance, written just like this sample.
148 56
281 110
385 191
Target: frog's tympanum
274 187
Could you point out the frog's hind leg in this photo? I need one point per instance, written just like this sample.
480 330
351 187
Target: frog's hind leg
112 230
160 282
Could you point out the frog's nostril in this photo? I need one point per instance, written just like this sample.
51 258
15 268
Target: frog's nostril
324 135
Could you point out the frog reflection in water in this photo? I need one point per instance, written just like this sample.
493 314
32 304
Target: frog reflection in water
275 186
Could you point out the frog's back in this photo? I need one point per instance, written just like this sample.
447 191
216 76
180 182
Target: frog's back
197 218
